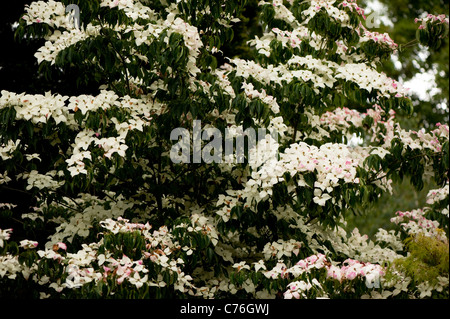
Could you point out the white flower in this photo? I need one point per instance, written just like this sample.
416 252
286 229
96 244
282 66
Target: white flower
241 265
260 265
320 198
137 280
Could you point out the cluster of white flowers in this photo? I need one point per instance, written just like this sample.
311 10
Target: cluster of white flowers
109 145
159 248
279 74
369 79
204 225
333 162
251 93
360 247
332 11
81 220
121 4
297 289
6 150
353 245
419 140
49 12
10 266
281 12
325 74
37 108
80 152
142 34
280 248
191 40
227 202
426 288
86 103
59 41
263 44
42 181
389 237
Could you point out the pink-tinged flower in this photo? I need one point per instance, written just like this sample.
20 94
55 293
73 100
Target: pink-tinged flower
4 235
351 275
312 259
28 244
58 246
125 275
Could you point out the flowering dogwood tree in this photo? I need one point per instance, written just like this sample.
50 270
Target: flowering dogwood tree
124 221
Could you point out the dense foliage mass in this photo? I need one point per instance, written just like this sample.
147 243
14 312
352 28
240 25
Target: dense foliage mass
115 217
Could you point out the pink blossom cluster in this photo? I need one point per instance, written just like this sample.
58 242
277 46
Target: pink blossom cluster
125 268
341 118
298 289
352 5
414 222
430 18
379 38
422 140
437 195
385 130
349 270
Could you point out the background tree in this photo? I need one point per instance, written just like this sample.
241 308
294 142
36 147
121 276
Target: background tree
413 60
416 59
